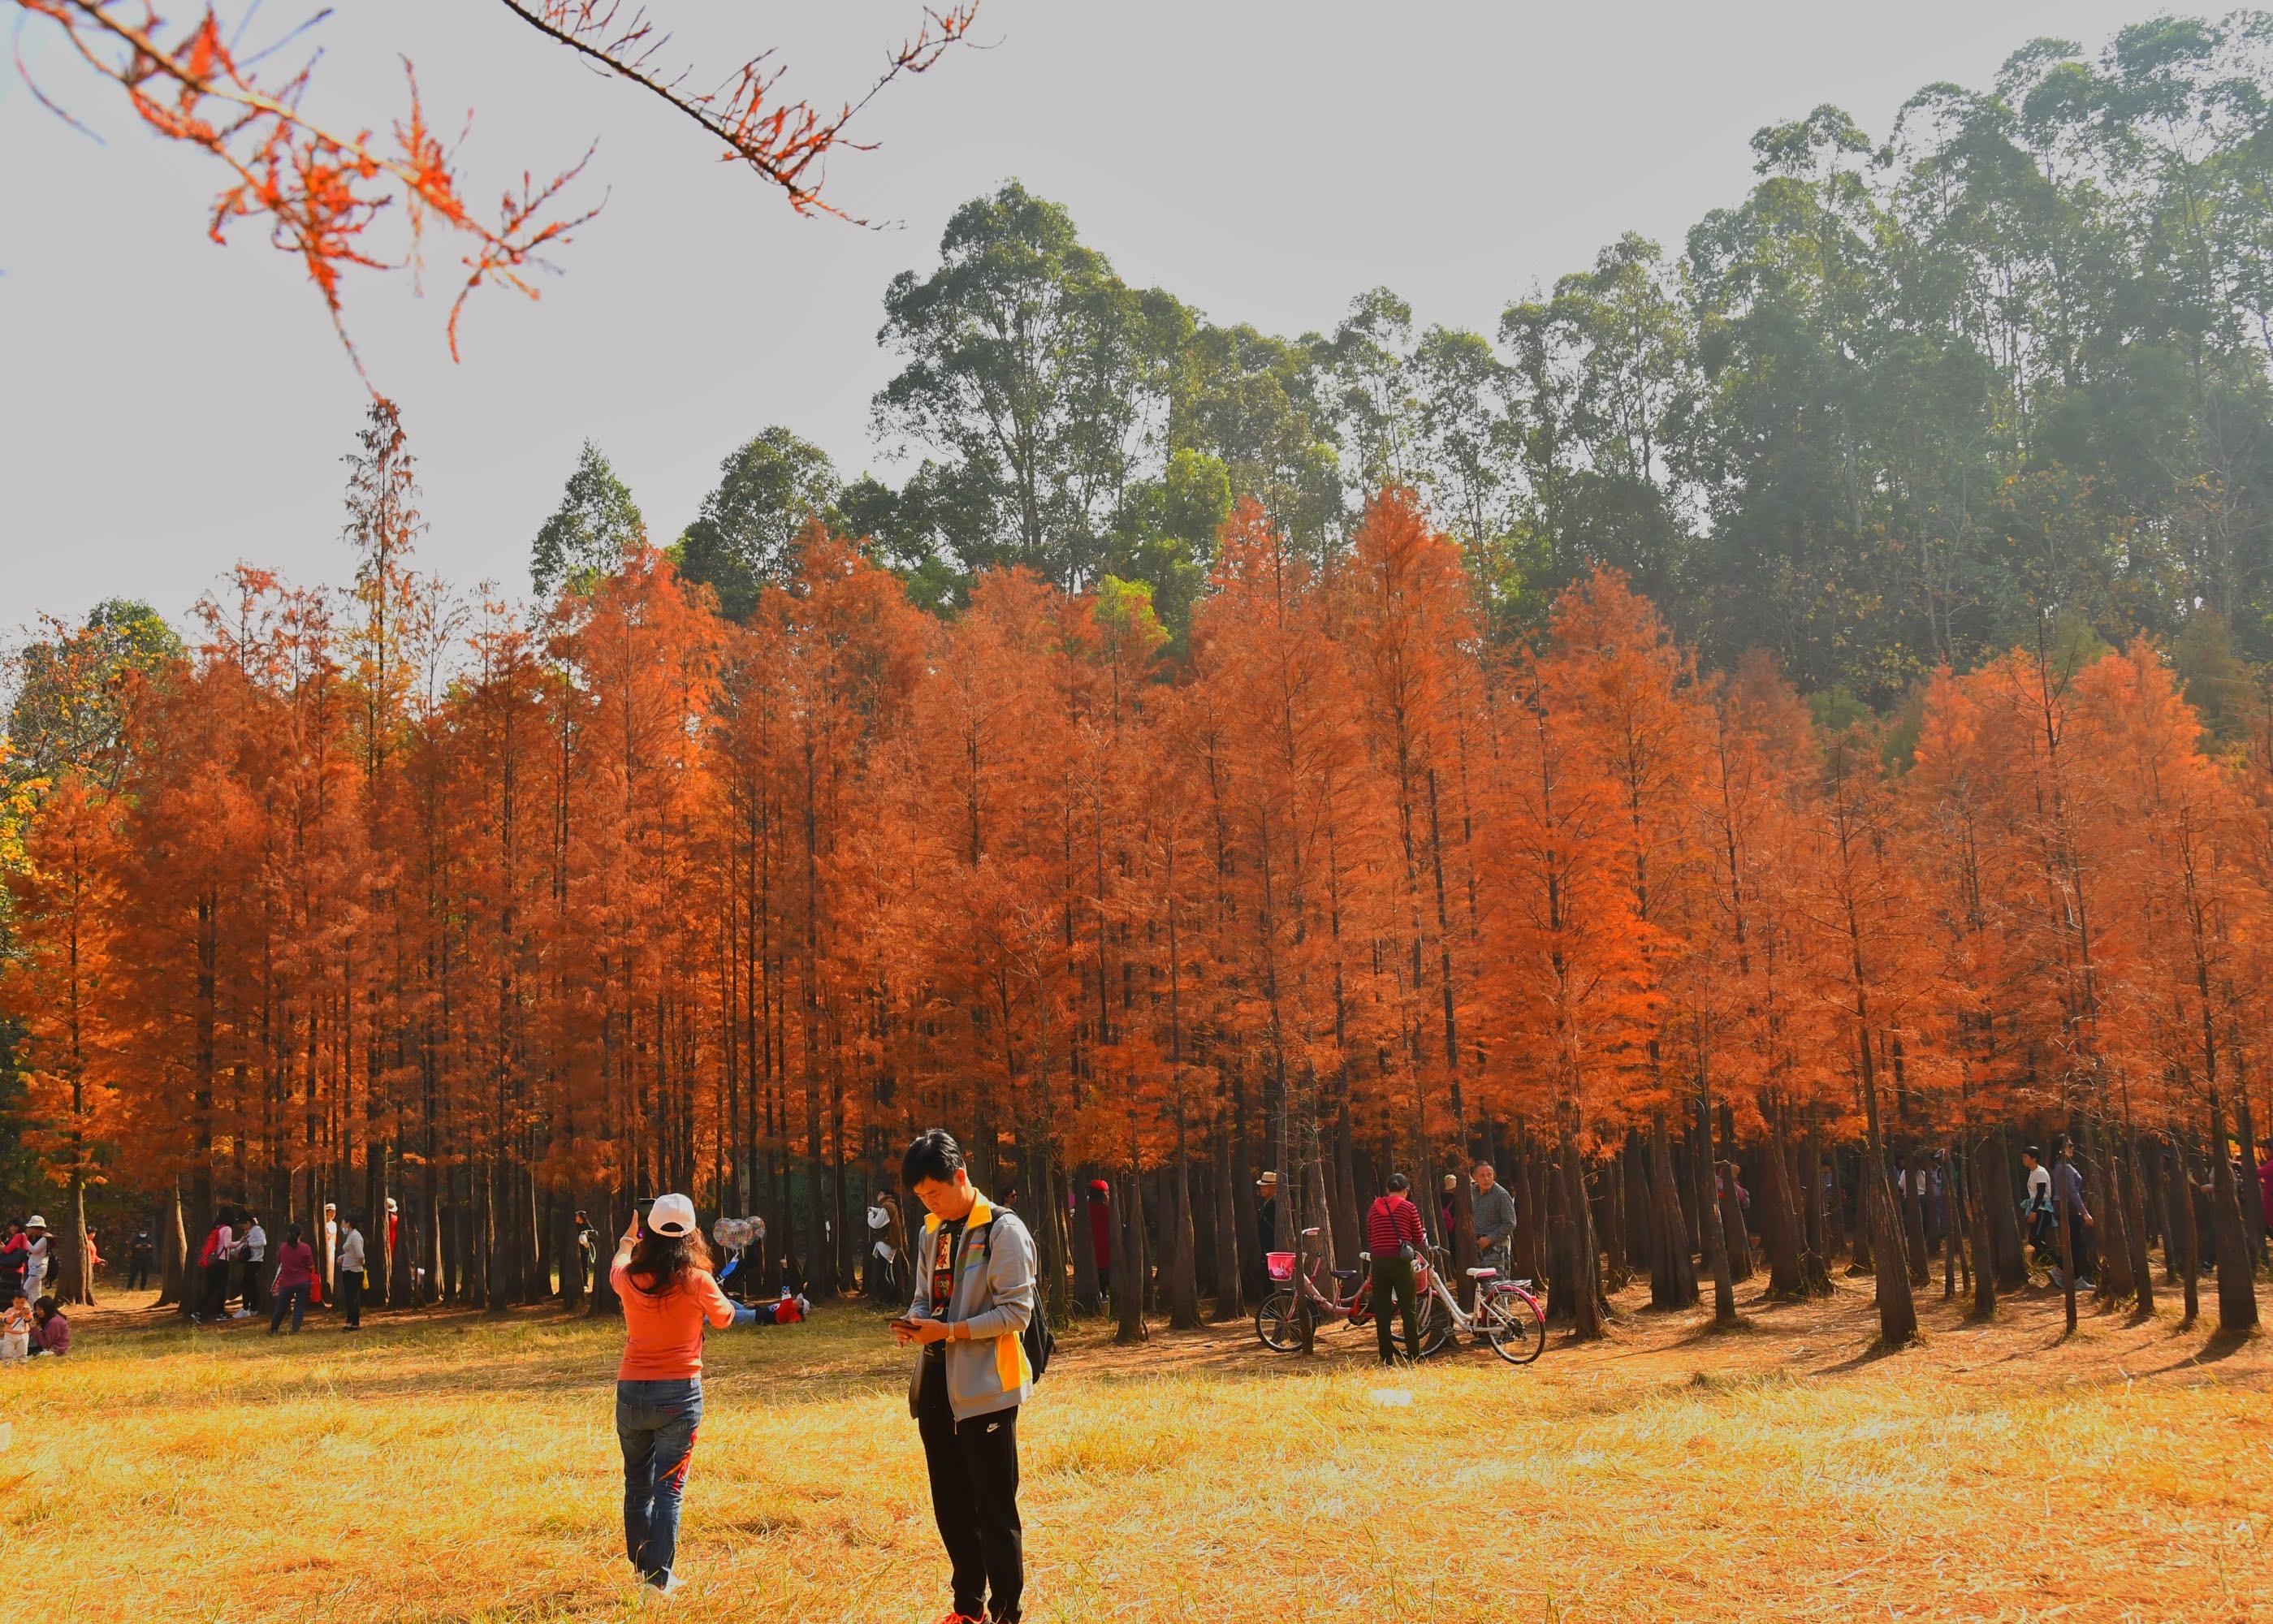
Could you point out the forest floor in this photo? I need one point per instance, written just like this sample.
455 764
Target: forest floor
447 1466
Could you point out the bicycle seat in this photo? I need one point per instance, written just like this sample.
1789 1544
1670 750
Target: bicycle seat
1483 1274
1349 1274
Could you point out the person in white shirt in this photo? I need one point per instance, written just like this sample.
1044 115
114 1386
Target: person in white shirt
36 1252
351 1275
332 1247
254 1250
2036 1207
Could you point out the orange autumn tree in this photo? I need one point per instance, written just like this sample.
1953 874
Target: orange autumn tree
1759 784
1629 693
2179 894
1572 1008
1408 621
400 898
64 903
1296 845
1867 965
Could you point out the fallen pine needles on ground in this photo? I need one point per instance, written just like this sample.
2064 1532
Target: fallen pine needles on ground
447 1466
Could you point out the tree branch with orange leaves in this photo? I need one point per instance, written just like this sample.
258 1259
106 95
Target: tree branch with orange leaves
321 190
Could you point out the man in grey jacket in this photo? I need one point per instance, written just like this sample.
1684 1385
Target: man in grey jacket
975 1292
1495 1217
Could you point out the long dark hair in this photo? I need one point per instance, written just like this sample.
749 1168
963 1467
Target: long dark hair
660 1263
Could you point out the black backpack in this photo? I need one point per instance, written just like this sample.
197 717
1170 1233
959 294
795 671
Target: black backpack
1039 1341
1037 1338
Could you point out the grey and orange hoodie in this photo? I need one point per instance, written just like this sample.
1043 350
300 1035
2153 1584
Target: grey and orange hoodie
993 1292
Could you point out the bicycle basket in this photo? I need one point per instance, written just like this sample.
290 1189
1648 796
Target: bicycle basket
1278 1265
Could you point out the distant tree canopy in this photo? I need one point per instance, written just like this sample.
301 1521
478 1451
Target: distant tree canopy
595 527
71 687
2005 363
746 534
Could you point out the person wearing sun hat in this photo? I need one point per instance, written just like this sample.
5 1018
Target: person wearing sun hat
1266 1210
662 1277
37 1249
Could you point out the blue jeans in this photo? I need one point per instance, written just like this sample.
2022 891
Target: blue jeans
655 1423
294 1298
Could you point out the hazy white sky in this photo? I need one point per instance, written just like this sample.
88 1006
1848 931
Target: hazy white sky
168 408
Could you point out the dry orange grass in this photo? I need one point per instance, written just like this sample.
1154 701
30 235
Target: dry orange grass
446 1467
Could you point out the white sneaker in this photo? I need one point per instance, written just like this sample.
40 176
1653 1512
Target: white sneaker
668 1591
242 1314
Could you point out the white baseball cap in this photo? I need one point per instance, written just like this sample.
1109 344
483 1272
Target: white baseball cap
672 1214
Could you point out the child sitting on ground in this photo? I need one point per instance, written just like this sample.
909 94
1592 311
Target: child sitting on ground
15 1330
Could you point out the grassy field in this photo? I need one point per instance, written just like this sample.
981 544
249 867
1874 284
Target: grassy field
447 1466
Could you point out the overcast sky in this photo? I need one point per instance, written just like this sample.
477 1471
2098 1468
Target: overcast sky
168 408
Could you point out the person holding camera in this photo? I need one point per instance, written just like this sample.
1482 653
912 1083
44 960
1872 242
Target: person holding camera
662 1276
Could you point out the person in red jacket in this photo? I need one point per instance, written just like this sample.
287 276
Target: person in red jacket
1100 1231
1394 1236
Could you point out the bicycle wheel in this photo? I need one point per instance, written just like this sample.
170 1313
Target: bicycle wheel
1436 1326
1275 1325
1513 1325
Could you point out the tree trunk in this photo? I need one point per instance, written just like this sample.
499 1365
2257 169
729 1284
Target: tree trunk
2237 1284
1348 1238
1914 1217
1673 1275
2134 1225
1183 1270
1780 1222
1230 1297
2115 1278
173 1253
2178 1193
1087 1281
1616 1264
1987 1179
1815 1238
1997 1184
75 1284
2068 1260
1581 1264
1532 1261
1897 1309
1129 1263
2252 1205
1709 1214
1634 1177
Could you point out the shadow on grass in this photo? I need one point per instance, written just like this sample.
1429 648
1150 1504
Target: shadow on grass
1880 1349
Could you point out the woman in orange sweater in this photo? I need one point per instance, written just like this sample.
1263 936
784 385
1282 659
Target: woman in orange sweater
662 1276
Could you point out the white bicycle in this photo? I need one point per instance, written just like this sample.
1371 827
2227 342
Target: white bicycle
1509 1317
